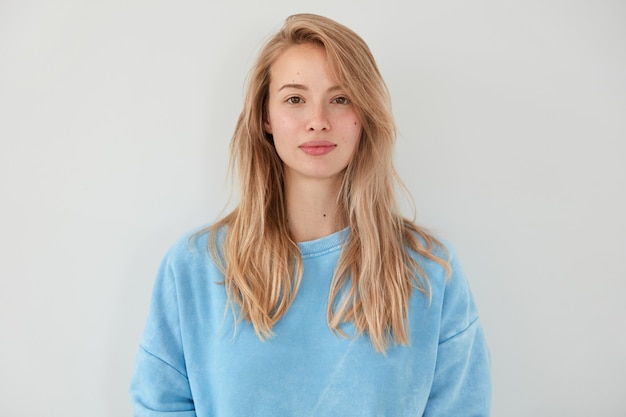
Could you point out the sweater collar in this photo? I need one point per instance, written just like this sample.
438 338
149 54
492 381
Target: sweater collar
324 244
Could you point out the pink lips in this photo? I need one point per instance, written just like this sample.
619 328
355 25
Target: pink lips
317 147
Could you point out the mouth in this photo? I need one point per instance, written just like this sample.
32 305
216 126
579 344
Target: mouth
317 147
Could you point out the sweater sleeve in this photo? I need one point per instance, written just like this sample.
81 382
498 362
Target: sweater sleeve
159 386
462 380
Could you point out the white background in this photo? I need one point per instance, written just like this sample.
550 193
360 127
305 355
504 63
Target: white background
115 118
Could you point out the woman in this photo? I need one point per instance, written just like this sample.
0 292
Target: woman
314 297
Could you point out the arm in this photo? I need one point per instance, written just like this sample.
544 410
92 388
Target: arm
159 386
462 380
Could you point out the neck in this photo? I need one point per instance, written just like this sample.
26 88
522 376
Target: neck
312 210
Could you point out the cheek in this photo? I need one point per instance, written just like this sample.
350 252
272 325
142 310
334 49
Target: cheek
275 120
356 129
354 122
352 135
281 123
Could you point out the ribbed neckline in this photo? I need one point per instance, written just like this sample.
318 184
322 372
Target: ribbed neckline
324 244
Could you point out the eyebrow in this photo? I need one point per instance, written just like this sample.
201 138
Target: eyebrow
304 87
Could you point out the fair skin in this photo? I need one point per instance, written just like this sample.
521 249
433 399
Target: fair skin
316 131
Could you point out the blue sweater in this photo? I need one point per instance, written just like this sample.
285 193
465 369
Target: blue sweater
194 362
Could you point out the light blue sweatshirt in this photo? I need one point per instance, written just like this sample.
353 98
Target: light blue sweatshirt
193 362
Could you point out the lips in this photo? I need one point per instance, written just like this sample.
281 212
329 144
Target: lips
317 147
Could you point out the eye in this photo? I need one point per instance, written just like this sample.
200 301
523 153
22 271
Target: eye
341 100
294 100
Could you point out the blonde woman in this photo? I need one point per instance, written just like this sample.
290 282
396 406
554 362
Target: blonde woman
314 297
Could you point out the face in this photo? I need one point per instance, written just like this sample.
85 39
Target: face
314 125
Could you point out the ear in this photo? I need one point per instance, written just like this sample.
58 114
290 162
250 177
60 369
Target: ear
267 126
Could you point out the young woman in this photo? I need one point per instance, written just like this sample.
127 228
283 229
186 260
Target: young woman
314 297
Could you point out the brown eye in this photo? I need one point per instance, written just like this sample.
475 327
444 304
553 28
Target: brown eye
341 100
294 100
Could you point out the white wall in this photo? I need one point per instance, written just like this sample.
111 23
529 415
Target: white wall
115 119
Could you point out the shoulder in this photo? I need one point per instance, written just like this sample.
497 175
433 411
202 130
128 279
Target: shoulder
435 254
190 251
432 253
187 245
186 274
454 297
449 288
449 277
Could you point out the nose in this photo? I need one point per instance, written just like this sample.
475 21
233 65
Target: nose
318 118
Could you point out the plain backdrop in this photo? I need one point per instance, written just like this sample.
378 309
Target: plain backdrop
115 119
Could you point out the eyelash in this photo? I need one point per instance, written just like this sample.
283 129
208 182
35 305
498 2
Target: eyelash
344 100
338 100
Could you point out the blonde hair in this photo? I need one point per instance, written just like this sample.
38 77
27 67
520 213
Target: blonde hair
261 262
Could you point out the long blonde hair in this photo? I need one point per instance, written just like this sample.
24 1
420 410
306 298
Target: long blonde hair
261 262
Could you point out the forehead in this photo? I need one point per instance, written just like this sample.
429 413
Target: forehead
299 62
